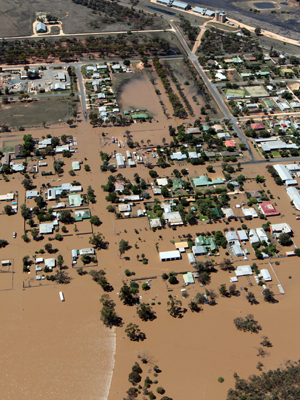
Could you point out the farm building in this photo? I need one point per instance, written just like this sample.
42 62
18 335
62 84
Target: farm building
169 255
41 28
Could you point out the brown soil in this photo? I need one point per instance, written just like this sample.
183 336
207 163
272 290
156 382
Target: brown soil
67 342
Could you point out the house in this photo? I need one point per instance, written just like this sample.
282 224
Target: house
50 263
61 76
277 229
124 207
253 236
243 270
75 200
59 86
199 250
154 223
208 243
5 159
210 154
249 212
75 165
193 130
30 194
231 237
237 250
218 128
188 278
119 186
169 255
268 209
242 235
81 215
18 151
173 218
203 181
261 233
46 228
162 181
229 153
41 28
229 143
257 126
178 156
228 213
89 251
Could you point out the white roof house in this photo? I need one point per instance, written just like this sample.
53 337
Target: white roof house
264 273
162 181
237 250
31 193
50 262
243 270
199 250
250 212
188 278
169 255
253 236
281 228
124 207
294 196
242 235
8 196
261 233
228 213
88 250
46 228
231 237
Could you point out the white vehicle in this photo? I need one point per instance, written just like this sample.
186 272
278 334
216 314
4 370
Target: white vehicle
14 235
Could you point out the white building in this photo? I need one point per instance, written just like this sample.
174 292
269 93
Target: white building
294 196
169 255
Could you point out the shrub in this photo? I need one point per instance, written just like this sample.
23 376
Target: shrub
220 379
173 280
160 390
165 276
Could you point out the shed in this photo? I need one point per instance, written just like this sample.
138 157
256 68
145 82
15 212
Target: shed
169 255
89 251
264 273
243 270
41 28
191 258
74 254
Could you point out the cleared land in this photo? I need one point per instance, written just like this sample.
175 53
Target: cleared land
49 110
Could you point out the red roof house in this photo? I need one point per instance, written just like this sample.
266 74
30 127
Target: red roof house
229 143
268 209
257 126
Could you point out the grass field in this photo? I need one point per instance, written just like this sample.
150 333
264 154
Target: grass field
49 110
257 91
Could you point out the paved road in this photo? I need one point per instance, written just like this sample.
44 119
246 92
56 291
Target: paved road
212 89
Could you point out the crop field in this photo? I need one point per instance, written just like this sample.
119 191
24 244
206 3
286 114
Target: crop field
49 110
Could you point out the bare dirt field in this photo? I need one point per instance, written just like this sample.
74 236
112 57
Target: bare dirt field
67 340
48 110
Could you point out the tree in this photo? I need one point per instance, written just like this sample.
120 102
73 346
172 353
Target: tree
232 289
153 174
108 315
132 331
223 290
34 233
257 31
175 306
248 324
268 296
126 295
123 246
226 265
8 209
60 260
145 312
173 280
62 277
25 212
3 243
210 168
27 183
87 168
39 201
193 305
103 282
96 274
164 191
57 166
297 252
251 298
97 241
95 220
285 239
